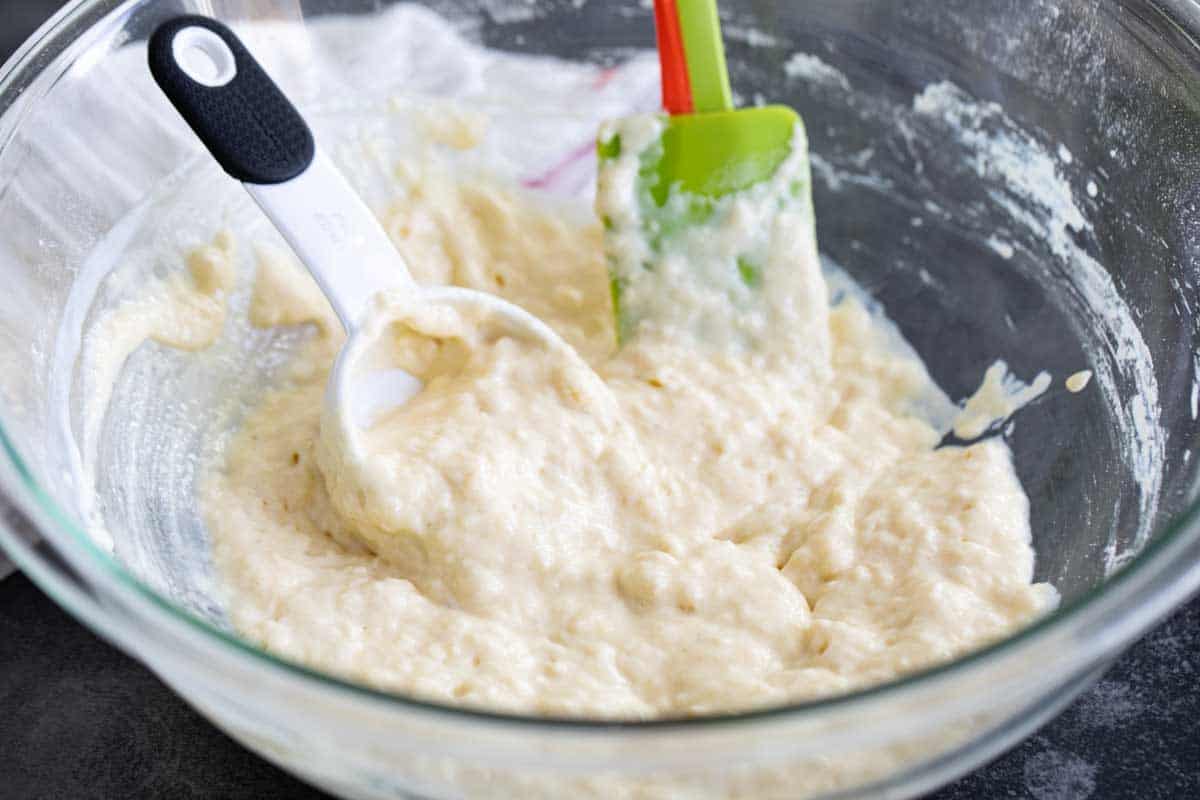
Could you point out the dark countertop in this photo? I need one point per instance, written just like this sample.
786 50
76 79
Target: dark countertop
80 720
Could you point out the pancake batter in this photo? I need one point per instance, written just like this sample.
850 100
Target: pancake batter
679 525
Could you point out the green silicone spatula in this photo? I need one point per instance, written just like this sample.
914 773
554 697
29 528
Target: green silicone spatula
708 147
707 150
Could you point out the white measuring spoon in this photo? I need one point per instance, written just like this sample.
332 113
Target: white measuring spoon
259 138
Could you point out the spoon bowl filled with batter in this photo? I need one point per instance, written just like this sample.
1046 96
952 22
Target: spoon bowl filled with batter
259 138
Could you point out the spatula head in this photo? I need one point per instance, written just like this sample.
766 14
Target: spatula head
716 154
682 177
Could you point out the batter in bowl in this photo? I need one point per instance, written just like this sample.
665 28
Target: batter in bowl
682 524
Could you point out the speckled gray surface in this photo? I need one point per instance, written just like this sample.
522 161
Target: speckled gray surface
80 720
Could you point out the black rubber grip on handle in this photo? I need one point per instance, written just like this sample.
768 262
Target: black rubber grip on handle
250 127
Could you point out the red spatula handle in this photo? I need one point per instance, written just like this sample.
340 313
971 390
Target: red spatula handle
676 88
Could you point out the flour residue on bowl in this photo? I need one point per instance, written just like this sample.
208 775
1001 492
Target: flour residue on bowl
811 68
1042 231
1029 186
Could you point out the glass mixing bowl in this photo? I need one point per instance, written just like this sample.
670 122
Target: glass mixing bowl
1009 178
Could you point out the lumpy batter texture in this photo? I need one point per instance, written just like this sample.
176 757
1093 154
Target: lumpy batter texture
686 523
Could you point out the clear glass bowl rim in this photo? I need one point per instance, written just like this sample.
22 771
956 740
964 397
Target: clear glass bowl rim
1158 579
